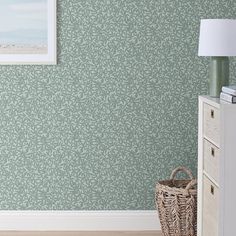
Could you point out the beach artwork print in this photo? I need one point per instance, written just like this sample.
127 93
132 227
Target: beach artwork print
27 31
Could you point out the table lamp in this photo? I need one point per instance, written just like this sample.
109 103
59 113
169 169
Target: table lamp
217 40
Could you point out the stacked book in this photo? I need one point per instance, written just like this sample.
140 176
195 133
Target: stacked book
228 93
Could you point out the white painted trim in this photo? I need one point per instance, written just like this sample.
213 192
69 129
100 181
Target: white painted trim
200 166
79 220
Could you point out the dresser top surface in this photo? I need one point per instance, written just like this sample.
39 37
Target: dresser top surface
210 100
216 101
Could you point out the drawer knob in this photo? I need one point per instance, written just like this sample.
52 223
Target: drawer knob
212 151
212 190
212 114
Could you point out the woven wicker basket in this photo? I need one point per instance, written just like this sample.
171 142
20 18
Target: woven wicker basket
176 202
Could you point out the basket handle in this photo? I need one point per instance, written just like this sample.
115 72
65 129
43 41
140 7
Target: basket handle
192 183
181 169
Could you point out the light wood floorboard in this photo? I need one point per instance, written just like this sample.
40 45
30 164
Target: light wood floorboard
107 233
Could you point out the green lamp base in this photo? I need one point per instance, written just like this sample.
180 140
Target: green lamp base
219 75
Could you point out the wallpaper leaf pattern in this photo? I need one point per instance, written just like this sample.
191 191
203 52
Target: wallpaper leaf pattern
117 113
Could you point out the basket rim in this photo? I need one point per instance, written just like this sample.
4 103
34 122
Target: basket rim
163 186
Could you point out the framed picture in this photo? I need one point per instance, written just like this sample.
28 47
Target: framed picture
28 32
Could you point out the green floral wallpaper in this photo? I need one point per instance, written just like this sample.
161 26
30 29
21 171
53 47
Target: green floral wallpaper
116 114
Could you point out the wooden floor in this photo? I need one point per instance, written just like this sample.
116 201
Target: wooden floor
107 233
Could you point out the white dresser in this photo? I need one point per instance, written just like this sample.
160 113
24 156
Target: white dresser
216 168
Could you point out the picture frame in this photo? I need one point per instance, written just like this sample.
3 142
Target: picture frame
28 32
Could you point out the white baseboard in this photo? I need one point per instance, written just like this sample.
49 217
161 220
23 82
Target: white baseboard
79 220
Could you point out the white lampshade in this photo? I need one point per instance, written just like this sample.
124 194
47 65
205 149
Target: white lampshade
217 37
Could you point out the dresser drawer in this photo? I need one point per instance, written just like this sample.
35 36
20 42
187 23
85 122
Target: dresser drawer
211 157
210 208
211 121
